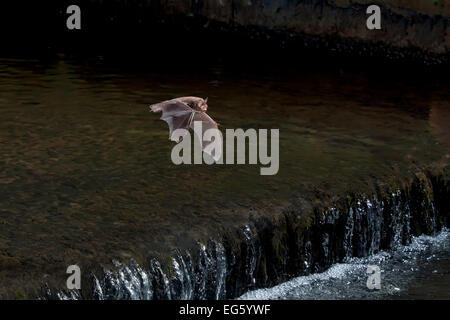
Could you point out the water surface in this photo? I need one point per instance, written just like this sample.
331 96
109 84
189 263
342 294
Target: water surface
85 170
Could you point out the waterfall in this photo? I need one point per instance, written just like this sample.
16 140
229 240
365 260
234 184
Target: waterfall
264 252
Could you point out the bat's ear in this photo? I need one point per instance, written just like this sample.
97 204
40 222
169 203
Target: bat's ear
206 100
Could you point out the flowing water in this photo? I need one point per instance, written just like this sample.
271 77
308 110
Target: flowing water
420 270
85 170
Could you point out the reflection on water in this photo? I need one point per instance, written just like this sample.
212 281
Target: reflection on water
85 170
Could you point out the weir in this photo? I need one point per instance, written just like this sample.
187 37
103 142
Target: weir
266 252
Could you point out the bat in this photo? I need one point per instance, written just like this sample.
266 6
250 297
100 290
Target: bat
182 112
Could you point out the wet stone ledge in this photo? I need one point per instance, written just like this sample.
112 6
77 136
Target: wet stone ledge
266 252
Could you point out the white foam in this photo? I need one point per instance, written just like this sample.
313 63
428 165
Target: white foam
353 266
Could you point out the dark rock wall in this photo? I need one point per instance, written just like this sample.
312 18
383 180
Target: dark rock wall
410 32
401 26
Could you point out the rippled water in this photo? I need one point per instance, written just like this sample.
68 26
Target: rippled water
420 270
85 170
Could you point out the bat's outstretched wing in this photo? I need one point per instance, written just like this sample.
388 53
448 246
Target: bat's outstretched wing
207 123
176 113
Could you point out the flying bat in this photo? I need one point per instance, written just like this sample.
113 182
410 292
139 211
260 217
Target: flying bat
181 113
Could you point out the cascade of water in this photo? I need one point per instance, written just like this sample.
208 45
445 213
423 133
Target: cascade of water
361 227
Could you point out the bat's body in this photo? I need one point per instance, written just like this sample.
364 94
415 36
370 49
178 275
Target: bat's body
182 112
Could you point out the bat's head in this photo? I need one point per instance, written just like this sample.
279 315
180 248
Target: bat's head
198 104
203 104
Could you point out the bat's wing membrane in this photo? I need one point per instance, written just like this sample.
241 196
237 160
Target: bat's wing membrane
179 115
207 123
176 113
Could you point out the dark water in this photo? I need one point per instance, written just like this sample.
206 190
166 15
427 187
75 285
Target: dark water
85 170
